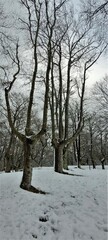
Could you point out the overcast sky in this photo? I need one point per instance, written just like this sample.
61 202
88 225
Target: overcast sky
98 71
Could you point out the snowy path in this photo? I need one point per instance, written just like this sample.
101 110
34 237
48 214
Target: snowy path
74 209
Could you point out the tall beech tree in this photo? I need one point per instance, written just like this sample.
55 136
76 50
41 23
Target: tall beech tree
39 26
77 49
27 138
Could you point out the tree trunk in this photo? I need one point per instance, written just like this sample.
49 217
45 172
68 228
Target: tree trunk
103 163
7 162
78 148
103 167
8 155
58 158
79 160
65 159
91 147
93 163
74 152
27 169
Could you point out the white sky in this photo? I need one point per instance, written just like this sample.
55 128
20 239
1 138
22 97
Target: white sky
98 71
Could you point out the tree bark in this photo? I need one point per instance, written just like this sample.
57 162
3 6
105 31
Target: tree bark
7 162
8 156
65 159
78 148
103 163
27 169
58 158
93 163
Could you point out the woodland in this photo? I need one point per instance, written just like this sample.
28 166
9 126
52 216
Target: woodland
48 116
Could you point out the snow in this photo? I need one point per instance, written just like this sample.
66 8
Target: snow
75 207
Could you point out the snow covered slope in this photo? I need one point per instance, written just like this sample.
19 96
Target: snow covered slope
75 208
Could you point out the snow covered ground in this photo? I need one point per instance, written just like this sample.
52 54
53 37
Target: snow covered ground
75 208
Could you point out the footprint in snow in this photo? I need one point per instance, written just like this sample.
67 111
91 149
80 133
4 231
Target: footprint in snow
43 219
34 235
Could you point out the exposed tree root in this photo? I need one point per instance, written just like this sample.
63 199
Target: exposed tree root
33 189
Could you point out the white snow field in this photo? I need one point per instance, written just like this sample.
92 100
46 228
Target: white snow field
75 208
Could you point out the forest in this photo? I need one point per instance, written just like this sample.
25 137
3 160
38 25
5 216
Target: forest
48 114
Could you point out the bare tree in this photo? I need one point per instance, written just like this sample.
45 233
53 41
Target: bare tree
100 95
39 25
93 8
29 137
75 52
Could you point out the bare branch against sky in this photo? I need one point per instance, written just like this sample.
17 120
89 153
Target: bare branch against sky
100 68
